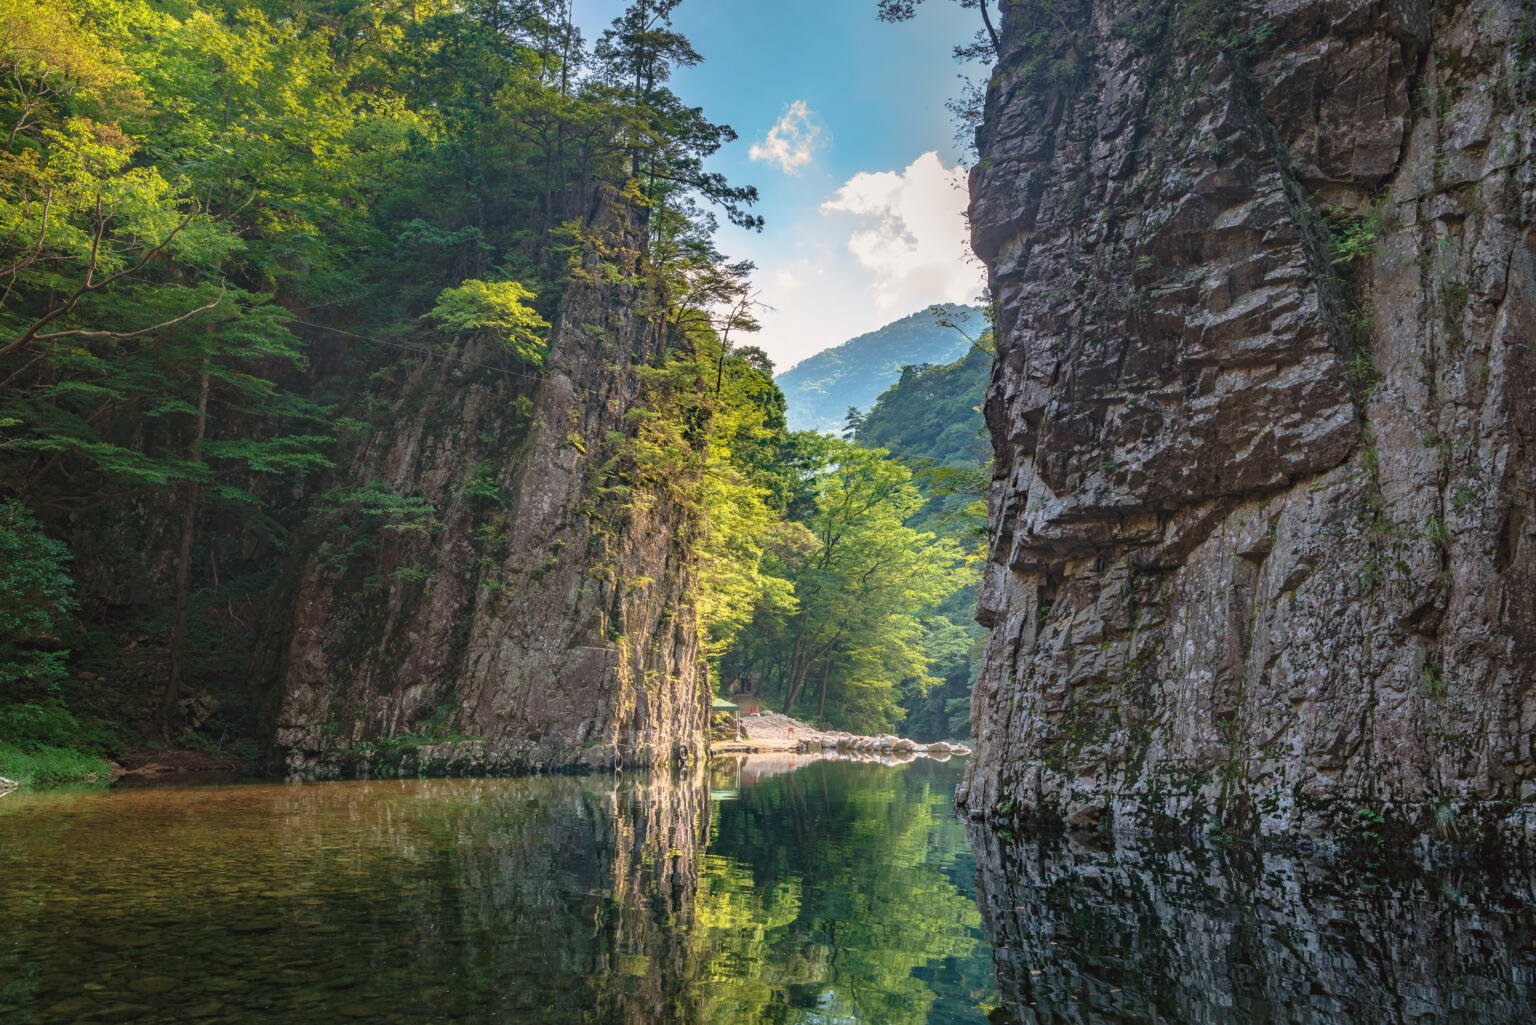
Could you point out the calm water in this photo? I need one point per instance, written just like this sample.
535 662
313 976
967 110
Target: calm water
836 893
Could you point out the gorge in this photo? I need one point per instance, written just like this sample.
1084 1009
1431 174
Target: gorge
423 600
441 451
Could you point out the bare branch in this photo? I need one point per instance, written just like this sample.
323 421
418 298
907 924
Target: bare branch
37 249
90 286
141 331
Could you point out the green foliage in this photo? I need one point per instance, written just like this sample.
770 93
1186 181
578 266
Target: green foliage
846 907
1434 684
1352 237
498 308
224 225
864 583
931 419
388 509
361 518
36 606
743 502
811 582
51 766
39 736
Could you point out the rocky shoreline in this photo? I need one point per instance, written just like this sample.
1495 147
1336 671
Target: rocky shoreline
764 732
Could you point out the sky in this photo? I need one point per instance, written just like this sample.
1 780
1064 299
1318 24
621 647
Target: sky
844 132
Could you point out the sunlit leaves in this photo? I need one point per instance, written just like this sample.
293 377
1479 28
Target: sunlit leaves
499 308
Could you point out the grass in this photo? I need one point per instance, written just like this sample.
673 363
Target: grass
43 744
43 766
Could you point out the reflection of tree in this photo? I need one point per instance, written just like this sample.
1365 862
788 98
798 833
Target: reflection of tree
829 895
838 893
1088 935
732 942
562 901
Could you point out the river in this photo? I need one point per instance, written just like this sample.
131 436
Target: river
768 892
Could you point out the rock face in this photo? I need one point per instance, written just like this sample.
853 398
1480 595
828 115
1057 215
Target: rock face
1263 544
479 600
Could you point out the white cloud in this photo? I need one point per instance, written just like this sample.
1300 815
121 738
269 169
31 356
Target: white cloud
787 279
791 142
884 245
911 237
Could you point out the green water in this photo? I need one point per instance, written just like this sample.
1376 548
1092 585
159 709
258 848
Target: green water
834 893
775 892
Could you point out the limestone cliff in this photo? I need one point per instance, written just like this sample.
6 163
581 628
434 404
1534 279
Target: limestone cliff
480 596
1263 417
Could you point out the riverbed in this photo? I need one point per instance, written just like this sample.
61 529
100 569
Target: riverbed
773 891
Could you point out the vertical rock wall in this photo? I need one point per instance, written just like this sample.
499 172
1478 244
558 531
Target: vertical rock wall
504 610
1263 412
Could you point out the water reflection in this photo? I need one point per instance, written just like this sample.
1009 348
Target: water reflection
823 901
545 900
1089 936
773 892
835 893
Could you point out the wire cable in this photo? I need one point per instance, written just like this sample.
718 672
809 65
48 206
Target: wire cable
419 351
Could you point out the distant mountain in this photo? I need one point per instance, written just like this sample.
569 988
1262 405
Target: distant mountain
821 389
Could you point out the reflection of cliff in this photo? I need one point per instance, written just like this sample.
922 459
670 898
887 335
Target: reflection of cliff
1087 936
558 901
646 965
584 889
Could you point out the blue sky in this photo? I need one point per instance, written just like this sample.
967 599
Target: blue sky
860 181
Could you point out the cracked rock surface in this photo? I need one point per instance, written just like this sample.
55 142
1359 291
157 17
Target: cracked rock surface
1263 550
531 623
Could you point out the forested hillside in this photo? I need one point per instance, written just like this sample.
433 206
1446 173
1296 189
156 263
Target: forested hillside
931 420
233 236
348 350
823 388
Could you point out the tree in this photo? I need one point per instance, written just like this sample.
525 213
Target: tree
742 523
864 585
985 47
986 43
668 141
498 308
931 420
229 230
36 604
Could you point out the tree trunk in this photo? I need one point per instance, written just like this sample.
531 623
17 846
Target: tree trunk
986 19
189 512
821 706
